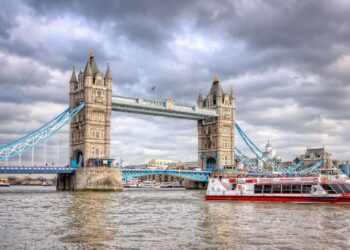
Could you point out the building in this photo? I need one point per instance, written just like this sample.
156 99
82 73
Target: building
268 155
216 135
90 129
159 164
162 178
189 165
314 155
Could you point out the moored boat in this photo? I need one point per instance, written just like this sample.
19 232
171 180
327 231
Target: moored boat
147 184
4 183
329 186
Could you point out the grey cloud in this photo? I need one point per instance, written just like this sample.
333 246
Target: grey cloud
259 47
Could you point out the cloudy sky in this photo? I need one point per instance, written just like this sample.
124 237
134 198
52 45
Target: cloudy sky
288 62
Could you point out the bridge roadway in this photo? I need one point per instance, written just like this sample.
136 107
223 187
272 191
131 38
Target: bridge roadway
201 176
168 108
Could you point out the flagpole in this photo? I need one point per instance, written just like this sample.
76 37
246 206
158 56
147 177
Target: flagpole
154 92
183 97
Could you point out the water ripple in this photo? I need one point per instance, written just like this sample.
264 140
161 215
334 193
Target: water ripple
41 218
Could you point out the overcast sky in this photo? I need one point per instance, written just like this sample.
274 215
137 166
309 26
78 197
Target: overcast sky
288 62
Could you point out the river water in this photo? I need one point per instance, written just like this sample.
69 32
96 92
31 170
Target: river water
41 218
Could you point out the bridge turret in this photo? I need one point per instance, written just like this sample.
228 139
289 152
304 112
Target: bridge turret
90 129
200 101
88 76
108 77
73 81
232 96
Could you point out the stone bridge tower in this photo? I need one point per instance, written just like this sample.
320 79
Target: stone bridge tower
89 138
90 129
216 138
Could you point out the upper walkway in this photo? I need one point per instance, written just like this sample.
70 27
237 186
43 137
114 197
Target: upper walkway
168 108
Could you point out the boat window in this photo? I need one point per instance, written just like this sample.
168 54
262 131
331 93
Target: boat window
306 189
328 188
234 186
328 172
296 189
276 189
258 189
345 187
337 189
267 188
286 189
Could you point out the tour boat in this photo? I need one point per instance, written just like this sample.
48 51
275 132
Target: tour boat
132 183
329 186
4 183
147 184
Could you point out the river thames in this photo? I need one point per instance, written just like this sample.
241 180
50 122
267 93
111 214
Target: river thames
41 218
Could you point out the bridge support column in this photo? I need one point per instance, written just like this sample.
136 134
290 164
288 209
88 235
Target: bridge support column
91 178
65 182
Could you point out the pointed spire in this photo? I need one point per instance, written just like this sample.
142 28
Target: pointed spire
216 82
200 100
73 78
231 93
200 97
108 75
88 70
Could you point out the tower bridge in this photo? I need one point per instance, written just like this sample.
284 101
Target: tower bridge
89 114
90 106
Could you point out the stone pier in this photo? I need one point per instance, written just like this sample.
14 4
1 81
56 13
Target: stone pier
91 178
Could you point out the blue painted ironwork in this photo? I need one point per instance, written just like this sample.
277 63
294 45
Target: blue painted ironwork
249 163
294 168
266 159
43 133
313 168
257 152
36 170
201 176
168 108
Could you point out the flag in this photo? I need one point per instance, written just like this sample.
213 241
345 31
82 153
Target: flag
153 88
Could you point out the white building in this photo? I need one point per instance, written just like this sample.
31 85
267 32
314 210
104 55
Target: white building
159 164
269 154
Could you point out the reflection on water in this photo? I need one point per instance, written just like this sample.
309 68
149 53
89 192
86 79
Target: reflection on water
41 218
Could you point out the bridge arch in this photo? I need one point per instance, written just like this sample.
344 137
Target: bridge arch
211 163
78 158
201 176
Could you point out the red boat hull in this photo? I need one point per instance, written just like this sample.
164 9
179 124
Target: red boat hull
289 199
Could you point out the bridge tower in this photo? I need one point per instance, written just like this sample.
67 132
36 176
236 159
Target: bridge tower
89 139
90 129
216 138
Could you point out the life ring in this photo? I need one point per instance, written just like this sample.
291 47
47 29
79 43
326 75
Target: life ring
324 179
240 187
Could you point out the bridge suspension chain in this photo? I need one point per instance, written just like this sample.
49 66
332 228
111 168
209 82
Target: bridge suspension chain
43 133
266 159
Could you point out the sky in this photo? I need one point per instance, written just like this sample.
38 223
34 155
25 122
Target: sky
287 61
